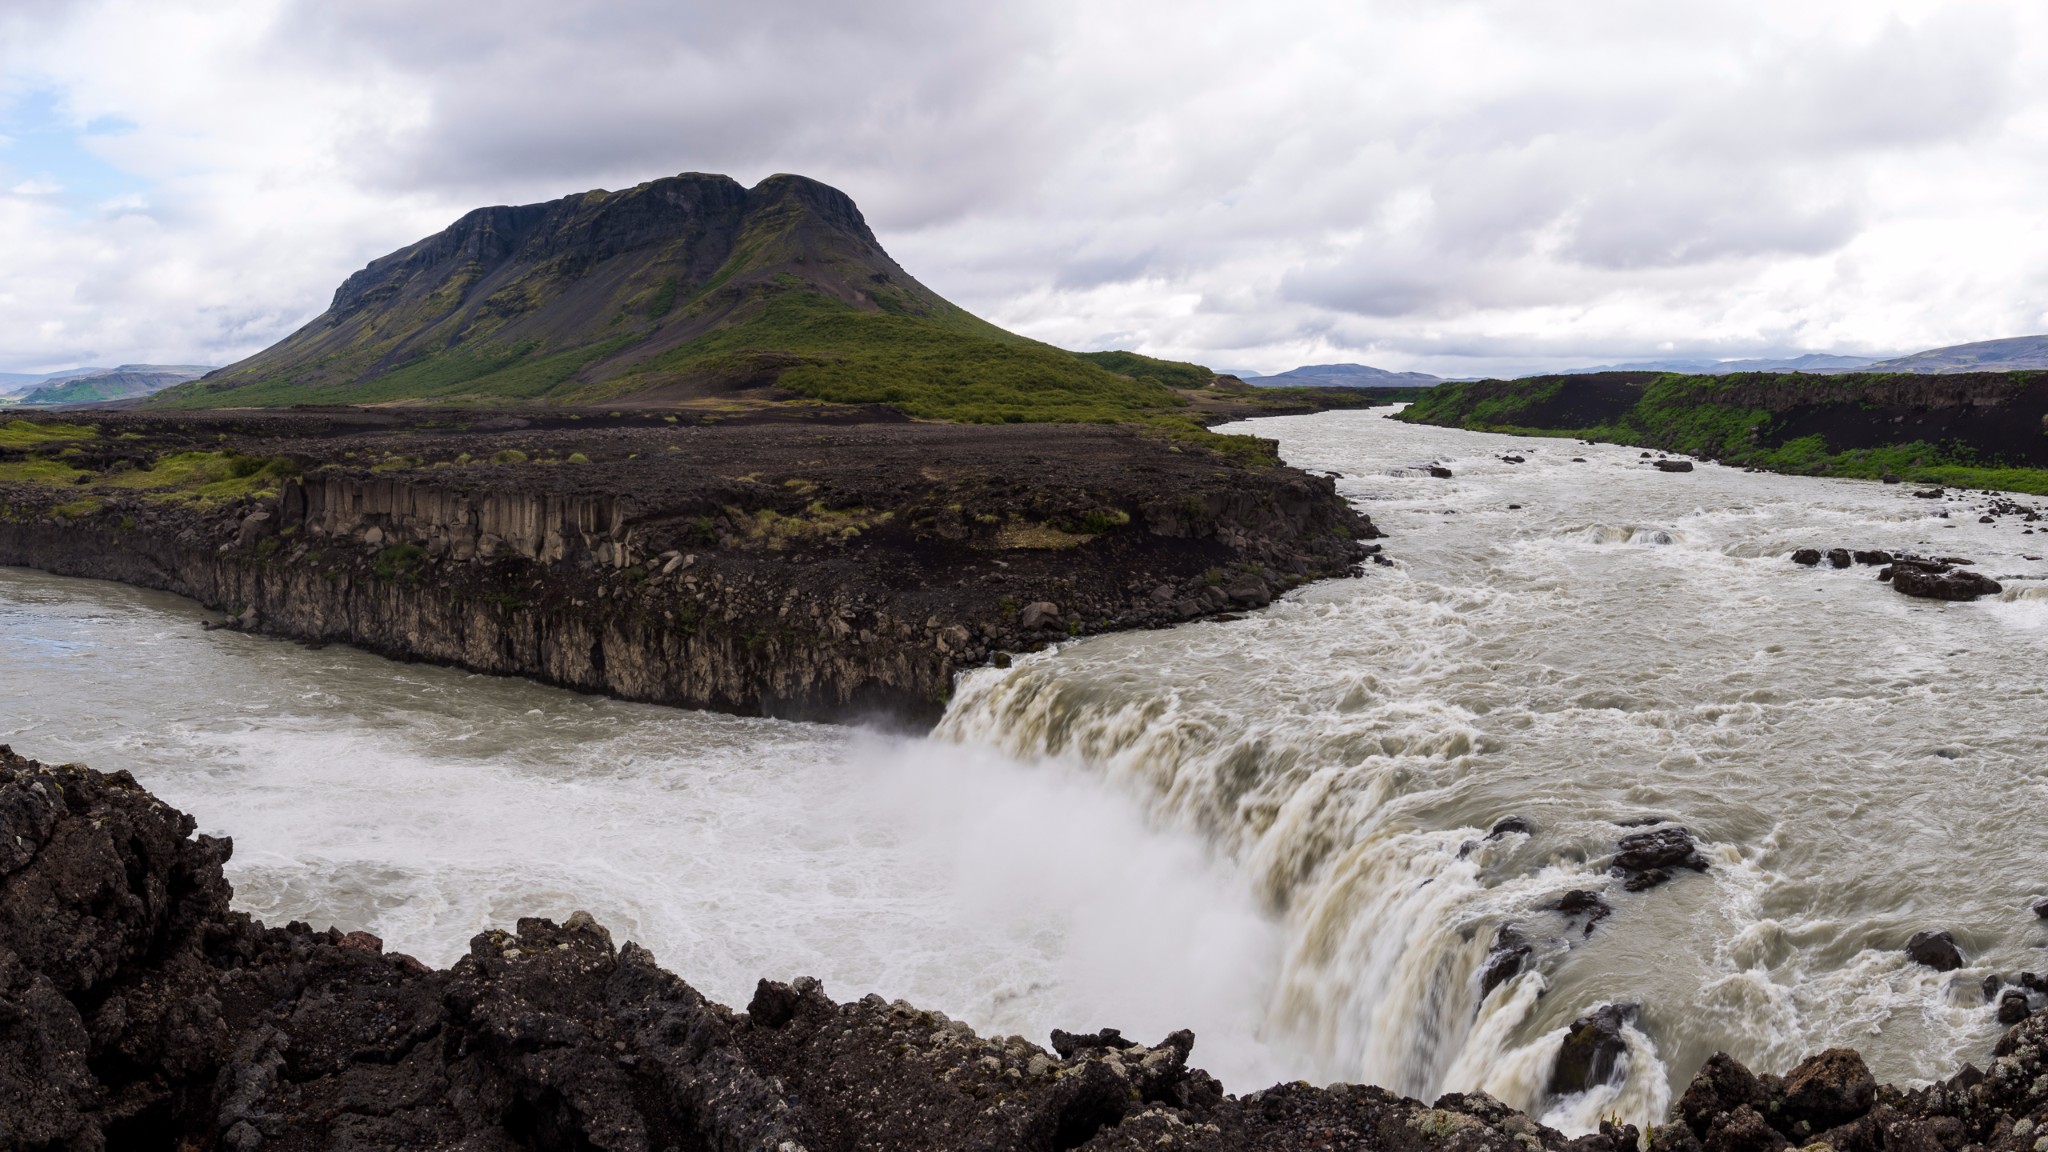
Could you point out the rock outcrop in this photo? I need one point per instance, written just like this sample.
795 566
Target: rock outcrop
786 569
138 1011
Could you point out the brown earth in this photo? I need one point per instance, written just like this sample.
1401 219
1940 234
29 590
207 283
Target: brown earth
788 566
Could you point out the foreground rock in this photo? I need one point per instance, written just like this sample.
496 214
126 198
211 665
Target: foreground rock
1832 1101
137 1011
808 570
1928 578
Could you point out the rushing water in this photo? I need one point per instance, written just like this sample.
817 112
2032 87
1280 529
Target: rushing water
1271 830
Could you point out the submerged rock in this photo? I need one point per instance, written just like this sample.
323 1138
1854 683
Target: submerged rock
1806 556
1935 949
1673 465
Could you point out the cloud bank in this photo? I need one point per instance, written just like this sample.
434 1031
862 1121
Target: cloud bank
1457 186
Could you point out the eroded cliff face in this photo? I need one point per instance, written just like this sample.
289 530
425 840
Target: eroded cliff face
138 1011
840 574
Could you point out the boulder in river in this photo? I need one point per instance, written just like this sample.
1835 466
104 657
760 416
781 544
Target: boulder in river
2013 1007
1871 557
1439 471
2041 909
1592 1050
1806 556
1936 949
1645 859
1839 557
1674 465
1952 585
1580 902
1505 960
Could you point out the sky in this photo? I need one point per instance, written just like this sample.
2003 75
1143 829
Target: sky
1464 187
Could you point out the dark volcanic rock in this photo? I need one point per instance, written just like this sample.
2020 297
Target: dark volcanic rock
1839 557
1439 471
1832 1088
1945 586
1936 949
2013 1007
1645 859
1505 960
1580 902
1592 1050
1872 557
138 1011
1674 465
1806 556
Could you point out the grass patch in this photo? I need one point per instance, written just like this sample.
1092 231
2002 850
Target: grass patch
816 524
1038 537
1712 417
33 433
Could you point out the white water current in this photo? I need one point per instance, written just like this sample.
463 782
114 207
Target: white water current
1270 830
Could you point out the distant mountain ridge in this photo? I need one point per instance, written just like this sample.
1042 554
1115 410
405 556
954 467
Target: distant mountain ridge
1810 362
1342 376
2015 353
97 385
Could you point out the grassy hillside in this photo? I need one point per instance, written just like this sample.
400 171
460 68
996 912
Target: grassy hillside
691 291
1968 430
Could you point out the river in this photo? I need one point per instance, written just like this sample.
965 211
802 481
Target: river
1272 830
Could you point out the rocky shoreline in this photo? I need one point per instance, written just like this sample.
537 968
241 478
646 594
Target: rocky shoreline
138 1011
786 566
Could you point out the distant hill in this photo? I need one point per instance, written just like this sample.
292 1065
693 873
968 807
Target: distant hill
689 290
2008 355
97 385
1811 362
1341 376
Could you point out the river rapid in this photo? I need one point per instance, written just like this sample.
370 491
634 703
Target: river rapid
1272 830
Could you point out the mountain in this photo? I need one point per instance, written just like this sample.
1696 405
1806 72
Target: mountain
2011 354
688 290
1341 376
97 385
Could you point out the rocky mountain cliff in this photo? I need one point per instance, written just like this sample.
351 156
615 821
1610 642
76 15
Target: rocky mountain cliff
682 290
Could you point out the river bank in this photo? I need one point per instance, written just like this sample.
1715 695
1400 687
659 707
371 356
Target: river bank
141 1012
785 567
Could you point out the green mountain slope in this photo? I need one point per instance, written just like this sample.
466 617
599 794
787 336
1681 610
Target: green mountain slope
688 290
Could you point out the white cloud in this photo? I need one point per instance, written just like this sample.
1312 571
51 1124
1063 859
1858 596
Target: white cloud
1455 185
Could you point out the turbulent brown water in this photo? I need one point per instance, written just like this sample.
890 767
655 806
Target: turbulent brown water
1258 828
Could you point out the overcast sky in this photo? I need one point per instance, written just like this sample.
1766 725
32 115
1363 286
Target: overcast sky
1456 186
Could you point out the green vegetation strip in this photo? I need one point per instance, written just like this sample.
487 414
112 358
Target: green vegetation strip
1696 416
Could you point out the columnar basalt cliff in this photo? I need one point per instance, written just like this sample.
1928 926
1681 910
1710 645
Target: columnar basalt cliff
138 1011
788 569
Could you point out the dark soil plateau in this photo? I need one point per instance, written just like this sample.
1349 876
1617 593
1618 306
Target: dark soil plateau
787 566
138 1012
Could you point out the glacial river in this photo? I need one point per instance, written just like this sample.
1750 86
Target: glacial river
1270 830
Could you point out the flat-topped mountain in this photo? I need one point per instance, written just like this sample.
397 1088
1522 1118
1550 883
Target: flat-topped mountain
688 290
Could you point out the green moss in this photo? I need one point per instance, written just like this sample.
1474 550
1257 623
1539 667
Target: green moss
1171 373
31 433
400 562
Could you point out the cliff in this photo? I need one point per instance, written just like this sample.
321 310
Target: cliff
1967 429
138 1011
791 568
